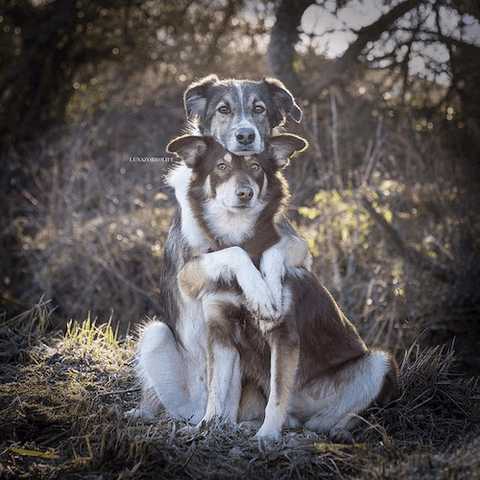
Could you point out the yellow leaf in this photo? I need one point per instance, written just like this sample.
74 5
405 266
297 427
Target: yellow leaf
329 447
34 453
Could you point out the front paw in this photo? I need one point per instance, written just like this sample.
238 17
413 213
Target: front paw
272 270
283 304
341 435
205 423
260 300
274 283
268 434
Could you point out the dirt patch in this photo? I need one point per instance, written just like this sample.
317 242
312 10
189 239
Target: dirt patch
63 400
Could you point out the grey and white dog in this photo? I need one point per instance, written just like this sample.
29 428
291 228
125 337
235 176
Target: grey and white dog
239 114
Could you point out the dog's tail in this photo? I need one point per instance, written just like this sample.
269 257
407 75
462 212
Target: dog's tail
389 390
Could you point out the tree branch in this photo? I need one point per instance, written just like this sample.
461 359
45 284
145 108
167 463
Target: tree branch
367 34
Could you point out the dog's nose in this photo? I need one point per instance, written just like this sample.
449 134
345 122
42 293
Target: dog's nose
244 193
245 136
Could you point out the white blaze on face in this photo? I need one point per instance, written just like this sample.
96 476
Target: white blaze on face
245 120
226 126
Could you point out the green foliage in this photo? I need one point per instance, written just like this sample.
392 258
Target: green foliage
346 220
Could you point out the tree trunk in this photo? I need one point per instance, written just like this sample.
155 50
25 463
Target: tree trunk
284 36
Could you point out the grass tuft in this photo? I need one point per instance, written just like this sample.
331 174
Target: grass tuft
99 342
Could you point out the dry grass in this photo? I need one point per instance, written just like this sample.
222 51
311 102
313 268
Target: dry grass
63 400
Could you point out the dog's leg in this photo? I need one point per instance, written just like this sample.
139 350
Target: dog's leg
285 349
179 385
252 405
289 253
231 262
223 360
224 383
352 391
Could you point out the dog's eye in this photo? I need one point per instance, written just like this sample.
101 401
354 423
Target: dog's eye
258 109
255 167
223 110
222 166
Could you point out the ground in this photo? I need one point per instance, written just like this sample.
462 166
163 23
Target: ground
64 396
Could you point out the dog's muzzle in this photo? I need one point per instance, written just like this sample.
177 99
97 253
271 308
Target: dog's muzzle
244 193
245 136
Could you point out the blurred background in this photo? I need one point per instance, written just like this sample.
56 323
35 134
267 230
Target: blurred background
387 194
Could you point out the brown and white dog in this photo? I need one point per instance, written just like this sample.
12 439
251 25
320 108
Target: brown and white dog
311 364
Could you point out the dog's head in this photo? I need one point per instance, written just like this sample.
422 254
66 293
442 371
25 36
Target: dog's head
239 114
238 184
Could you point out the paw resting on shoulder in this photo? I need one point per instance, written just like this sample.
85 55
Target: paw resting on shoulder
257 292
273 270
260 300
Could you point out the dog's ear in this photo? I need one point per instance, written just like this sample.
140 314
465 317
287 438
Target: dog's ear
188 147
285 146
195 97
283 100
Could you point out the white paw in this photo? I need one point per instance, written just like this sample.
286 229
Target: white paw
268 434
341 435
272 270
257 293
140 413
274 283
212 416
204 423
260 299
134 413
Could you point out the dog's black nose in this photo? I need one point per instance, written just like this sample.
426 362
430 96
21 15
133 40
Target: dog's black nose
245 136
244 193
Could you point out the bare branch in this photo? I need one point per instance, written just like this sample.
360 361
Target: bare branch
336 157
350 57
